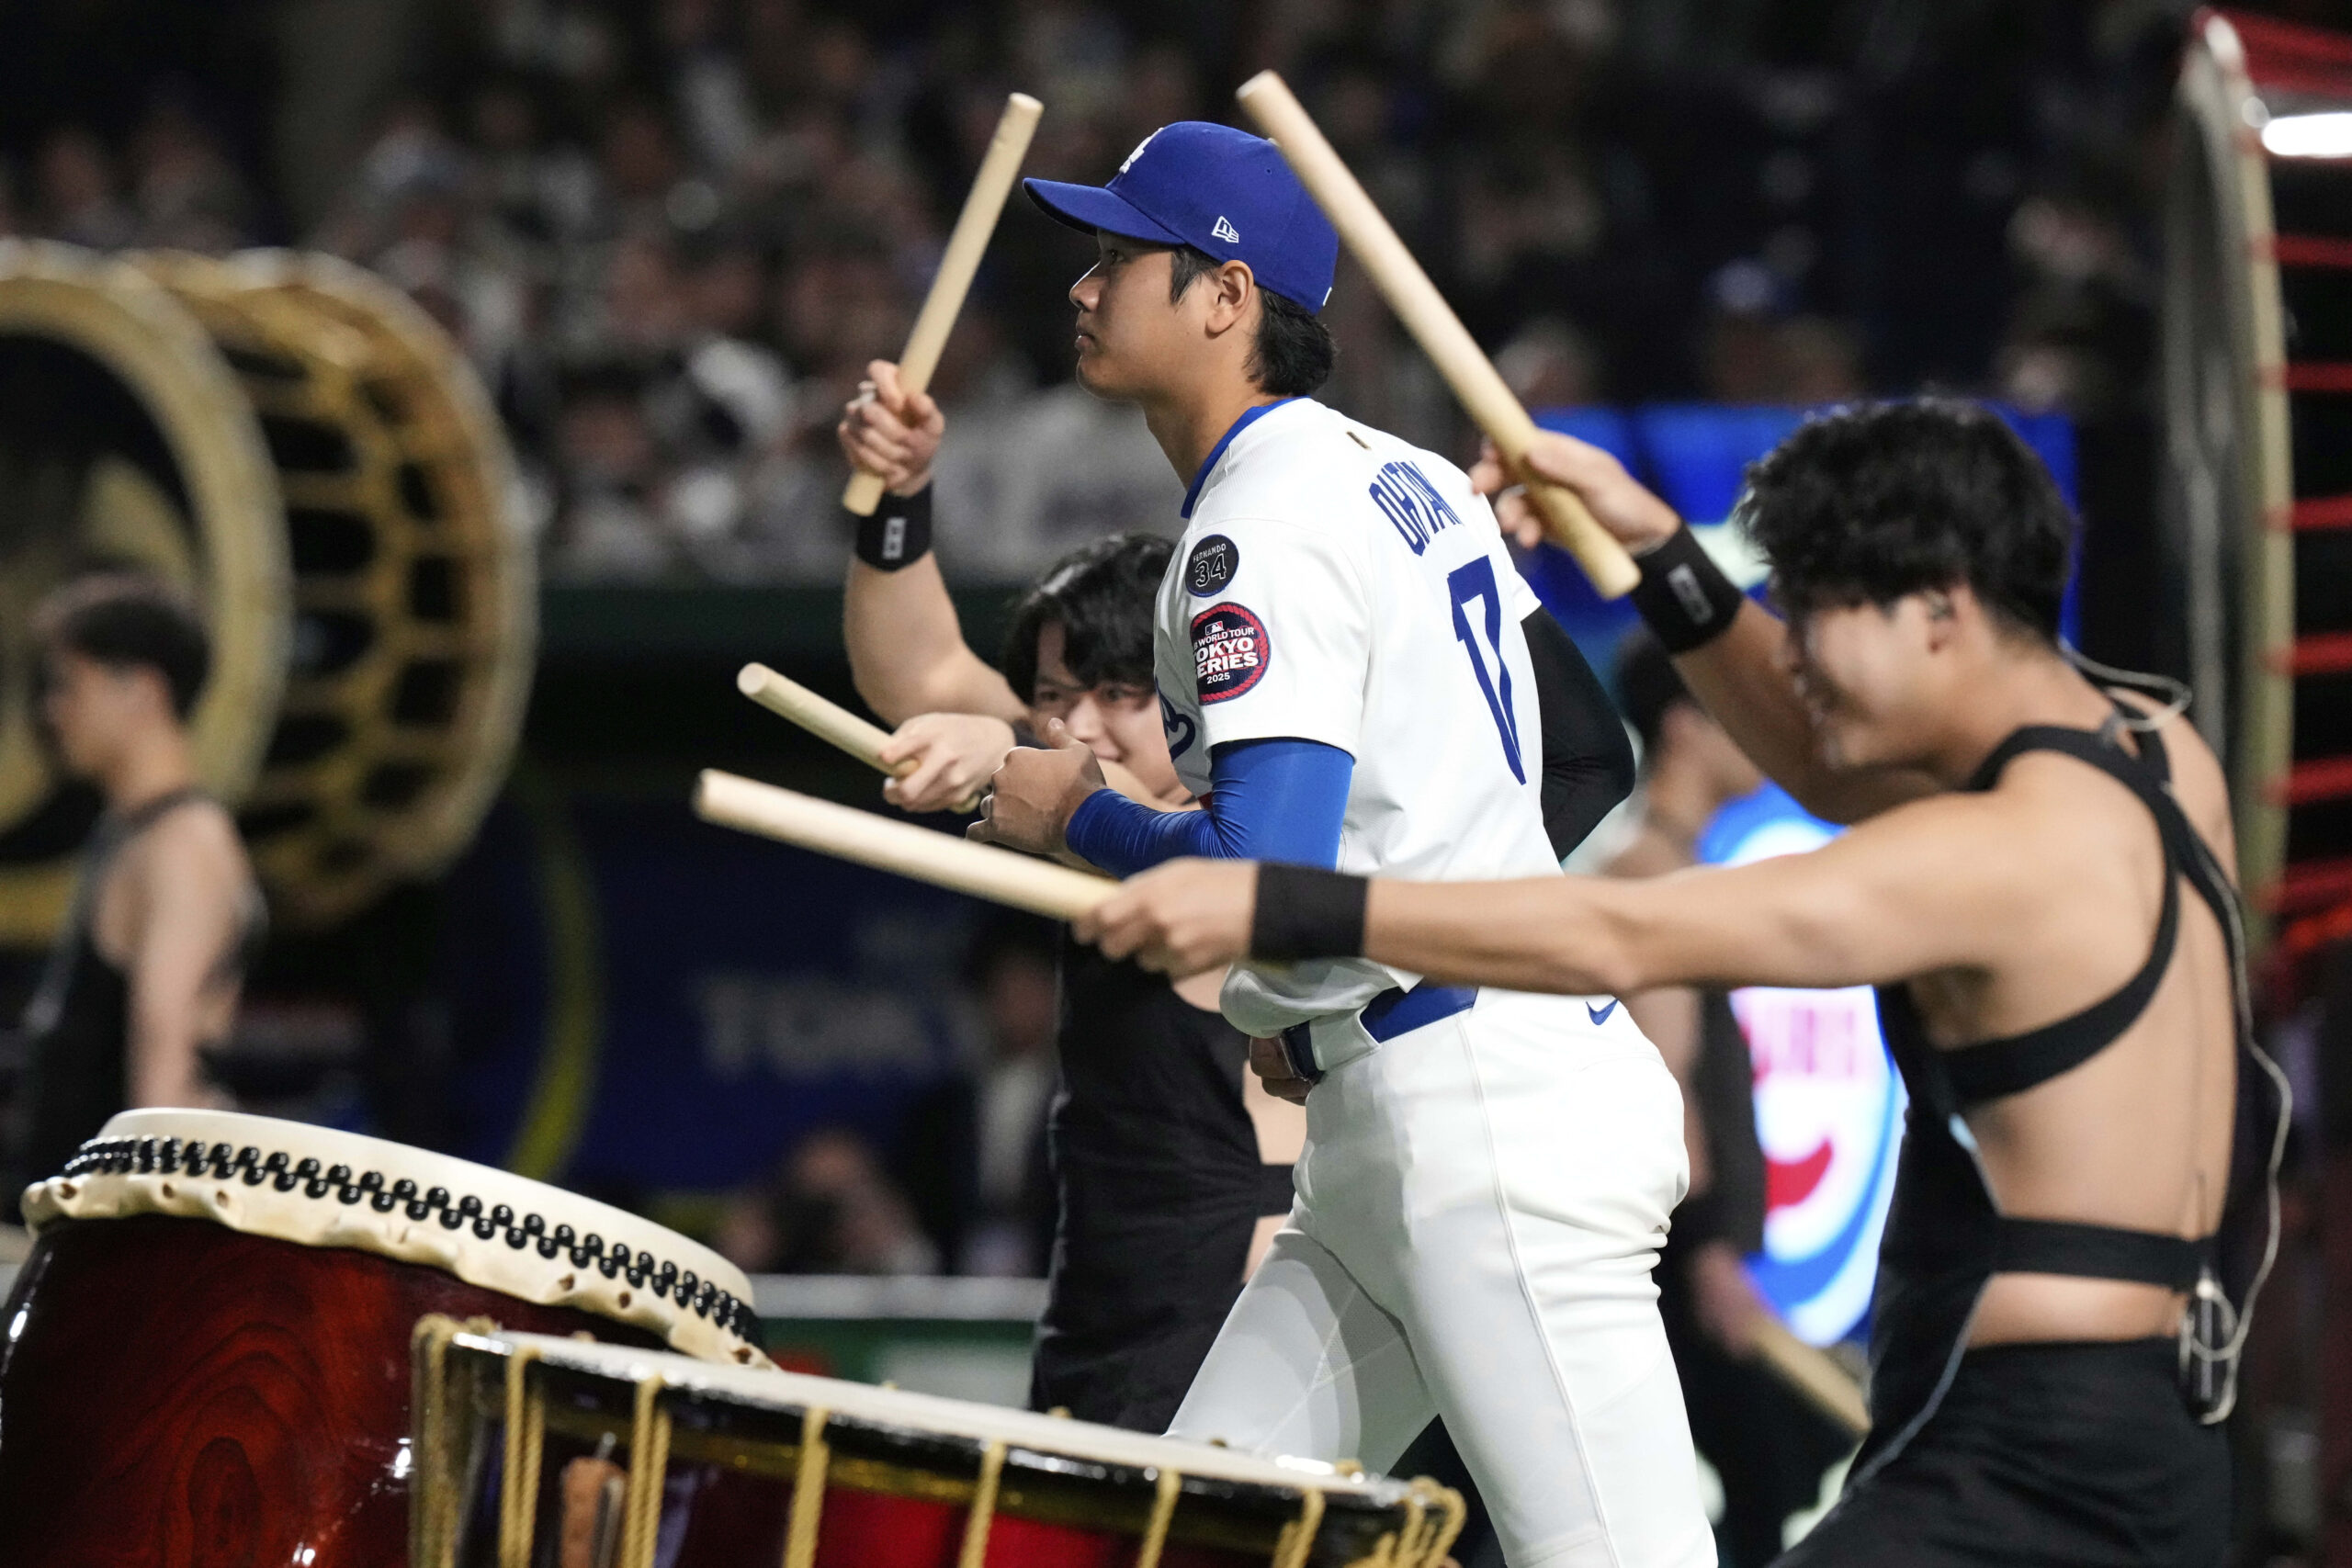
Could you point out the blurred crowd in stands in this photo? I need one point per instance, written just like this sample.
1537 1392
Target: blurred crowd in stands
964 1187
671 232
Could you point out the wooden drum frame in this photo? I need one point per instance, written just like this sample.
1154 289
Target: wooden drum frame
531 1449
298 447
2257 524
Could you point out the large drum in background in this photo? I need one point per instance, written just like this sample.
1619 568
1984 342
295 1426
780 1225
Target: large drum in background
299 446
206 1358
532 1450
2258 528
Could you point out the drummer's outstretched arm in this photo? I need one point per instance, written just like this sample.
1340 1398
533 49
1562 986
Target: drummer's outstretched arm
1743 675
1932 886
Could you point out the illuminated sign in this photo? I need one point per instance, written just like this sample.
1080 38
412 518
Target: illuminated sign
1828 1107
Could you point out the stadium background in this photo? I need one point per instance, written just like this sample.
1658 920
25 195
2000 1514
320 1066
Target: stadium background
670 233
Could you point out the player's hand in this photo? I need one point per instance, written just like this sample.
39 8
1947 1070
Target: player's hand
890 432
1036 792
953 755
1181 917
1272 1064
1725 1299
1615 498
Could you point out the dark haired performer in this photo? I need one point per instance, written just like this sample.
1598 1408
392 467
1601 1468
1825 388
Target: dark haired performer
1347 679
145 972
2038 884
1173 1164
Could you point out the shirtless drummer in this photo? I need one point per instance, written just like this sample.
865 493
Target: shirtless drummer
2038 881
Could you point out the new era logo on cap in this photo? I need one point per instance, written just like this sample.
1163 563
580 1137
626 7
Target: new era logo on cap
1206 186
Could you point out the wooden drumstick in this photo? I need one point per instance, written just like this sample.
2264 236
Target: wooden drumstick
983 871
957 265
1814 1374
1434 325
828 721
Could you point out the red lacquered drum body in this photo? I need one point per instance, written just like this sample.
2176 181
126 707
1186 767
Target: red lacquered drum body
206 1360
534 1451
175 1394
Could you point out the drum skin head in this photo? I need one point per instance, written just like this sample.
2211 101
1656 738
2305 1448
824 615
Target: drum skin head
316 1187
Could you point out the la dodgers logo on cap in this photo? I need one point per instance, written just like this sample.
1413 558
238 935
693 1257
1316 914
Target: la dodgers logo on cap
1221 191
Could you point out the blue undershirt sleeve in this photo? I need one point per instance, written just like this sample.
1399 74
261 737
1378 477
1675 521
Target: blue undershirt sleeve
1277 800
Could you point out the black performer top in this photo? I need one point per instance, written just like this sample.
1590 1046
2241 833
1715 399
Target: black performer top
1945 1238
1723 1081
1155 1161
77 1026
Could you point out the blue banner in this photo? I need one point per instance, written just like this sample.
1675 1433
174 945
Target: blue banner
644 1004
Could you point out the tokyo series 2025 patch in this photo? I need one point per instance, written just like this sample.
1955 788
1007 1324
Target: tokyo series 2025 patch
1229 652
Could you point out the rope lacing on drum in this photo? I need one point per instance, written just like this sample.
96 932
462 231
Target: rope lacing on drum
222 1162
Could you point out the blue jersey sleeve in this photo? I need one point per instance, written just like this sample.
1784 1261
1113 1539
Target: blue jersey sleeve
1278 799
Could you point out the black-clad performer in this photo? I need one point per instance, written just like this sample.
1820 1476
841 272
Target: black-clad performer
145 974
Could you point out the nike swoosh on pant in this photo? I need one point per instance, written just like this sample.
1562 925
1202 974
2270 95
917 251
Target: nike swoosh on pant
1600 1015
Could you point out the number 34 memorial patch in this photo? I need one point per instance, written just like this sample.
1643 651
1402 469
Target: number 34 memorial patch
1229 652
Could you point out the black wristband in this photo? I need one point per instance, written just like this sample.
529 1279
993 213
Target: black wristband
1304 911
899 533
1683 595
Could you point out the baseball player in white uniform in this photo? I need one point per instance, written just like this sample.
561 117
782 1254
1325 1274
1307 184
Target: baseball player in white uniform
1346 683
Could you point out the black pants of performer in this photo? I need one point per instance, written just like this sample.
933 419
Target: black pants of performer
1768 1447
2077 1454
1133 1383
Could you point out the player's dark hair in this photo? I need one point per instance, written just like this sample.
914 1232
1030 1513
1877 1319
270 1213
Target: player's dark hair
1870 503
128 620
1647 687
1102 594
1294 353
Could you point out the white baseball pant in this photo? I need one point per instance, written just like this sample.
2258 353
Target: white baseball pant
1480 1205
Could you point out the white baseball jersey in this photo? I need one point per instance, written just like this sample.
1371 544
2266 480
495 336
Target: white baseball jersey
1335 584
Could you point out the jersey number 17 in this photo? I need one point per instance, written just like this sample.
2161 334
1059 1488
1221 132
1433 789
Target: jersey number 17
1471 585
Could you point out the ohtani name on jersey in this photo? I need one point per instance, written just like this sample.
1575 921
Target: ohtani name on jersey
1229 652
1412 504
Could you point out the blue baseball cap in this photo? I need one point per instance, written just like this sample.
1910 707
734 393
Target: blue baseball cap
1219 190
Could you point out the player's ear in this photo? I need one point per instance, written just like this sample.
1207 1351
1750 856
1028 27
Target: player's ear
1232 287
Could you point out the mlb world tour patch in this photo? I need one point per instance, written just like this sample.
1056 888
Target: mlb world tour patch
1229 652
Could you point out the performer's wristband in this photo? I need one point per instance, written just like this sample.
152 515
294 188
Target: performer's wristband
899 533
1304 911
1683 595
